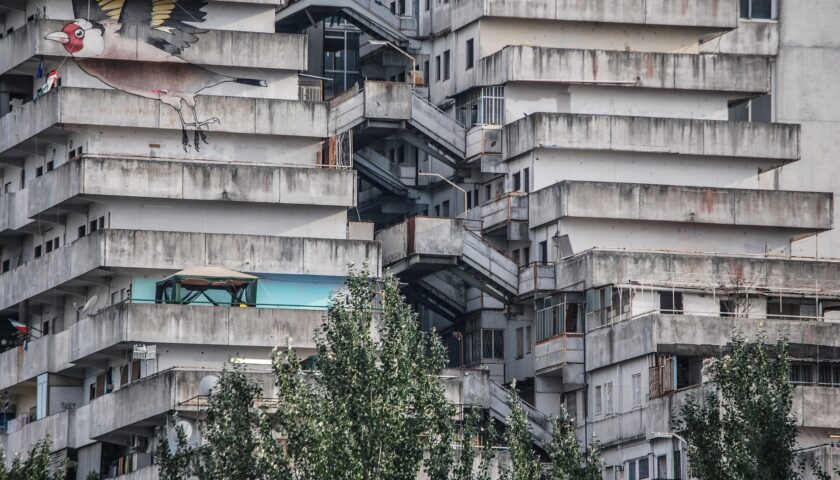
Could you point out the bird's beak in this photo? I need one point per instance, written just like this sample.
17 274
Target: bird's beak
59 37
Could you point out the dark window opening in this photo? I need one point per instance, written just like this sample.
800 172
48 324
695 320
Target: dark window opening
37 251
470 53
49 246
6 265
526 180
39 171
93 226
81 231
544 251
446 65
437 68
761 9
758 109
517 181
671 303
50 166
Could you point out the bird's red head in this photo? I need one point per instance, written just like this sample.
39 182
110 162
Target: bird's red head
75 37
81 38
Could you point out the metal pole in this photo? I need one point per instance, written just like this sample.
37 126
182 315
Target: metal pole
426 174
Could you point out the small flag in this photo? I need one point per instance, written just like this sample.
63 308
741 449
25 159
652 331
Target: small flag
19 326
40 73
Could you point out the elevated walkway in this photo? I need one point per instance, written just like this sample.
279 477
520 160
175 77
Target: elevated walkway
371 16
421 246
475 388
389 108
380 171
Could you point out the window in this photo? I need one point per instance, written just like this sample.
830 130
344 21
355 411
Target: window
830 374
631 470
637 389
761 9
677 465
470 54
481 106
526 180
49 246
428 5
553 320
598 404
37 251
427 73
528 339
608 398
492 344
644 469
599 305
81 231
517 181
727 308
469 199
662 466
445 208
39 171
446 65
671 302
526 255
6 265
801 373
520 342
124 374
544 251
758 109
56 243
135 370
437 68
570 403
101 223
7 187
50 166
93 226
437 210
487 192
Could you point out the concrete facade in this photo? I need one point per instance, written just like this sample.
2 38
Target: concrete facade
594 194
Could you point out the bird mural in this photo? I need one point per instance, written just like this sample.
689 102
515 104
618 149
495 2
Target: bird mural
135 45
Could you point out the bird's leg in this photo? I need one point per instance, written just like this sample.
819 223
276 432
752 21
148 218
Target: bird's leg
198 131
184 139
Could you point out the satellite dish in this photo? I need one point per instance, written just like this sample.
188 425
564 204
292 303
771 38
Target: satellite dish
87 308
207 384
190 434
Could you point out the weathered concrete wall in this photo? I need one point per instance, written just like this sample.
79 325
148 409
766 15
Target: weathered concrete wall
602 267
536 276
810 211
226 48
56 426
700 335
170 251
723 73
151 178
750 38
13 208
50 353
558 352
421 235
649 12
510 208
88 106
388 100
185 324
154 396
653 135
816 406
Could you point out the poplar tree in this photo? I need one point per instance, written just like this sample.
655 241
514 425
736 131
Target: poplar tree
742 427
36 465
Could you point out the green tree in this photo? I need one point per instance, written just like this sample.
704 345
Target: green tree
239 442
372 409
35 466
567 460
465 468
742 428
524 460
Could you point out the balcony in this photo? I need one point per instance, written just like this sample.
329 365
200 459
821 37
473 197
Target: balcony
598 267
110 108
795 212
816 406
168 251
778 143
507 215
536 277
146 402
561 355
716 73
700 335
692 13
13 208
49 353
752 37
110 331
216 48
88 177
66 429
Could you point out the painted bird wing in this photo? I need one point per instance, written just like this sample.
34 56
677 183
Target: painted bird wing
161 23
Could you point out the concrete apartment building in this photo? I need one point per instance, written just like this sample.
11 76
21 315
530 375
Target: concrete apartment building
582 196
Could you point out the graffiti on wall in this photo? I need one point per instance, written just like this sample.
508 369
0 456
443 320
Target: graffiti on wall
135 46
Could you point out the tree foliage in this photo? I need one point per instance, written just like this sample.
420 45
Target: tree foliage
369 406
567 460
742 427
35 466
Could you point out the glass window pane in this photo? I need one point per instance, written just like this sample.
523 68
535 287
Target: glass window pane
499 344
761 9
761 109
487 343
